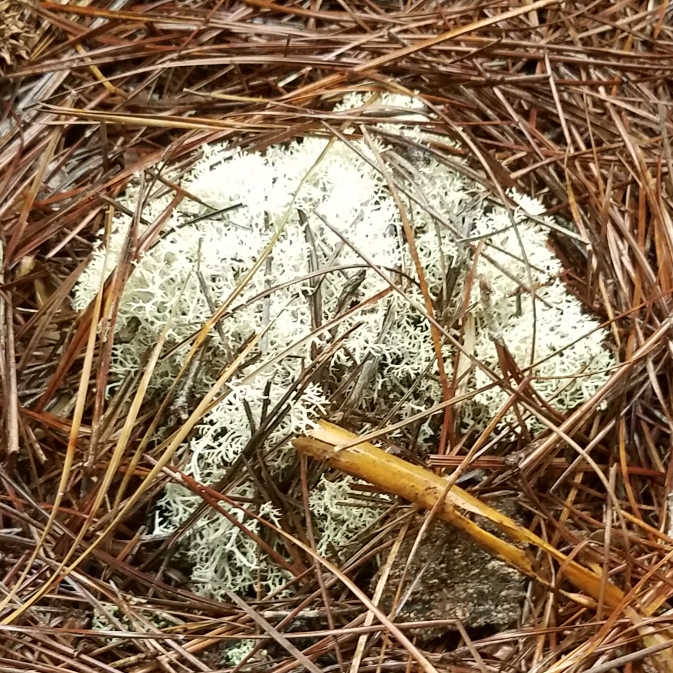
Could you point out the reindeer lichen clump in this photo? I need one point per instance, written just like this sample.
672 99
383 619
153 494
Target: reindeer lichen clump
358 286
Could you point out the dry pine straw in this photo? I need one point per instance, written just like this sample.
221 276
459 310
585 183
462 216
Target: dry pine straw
568 101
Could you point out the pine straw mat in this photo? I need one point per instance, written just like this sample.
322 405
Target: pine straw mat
565 101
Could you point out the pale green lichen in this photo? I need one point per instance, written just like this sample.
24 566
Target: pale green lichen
346 190
235 654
